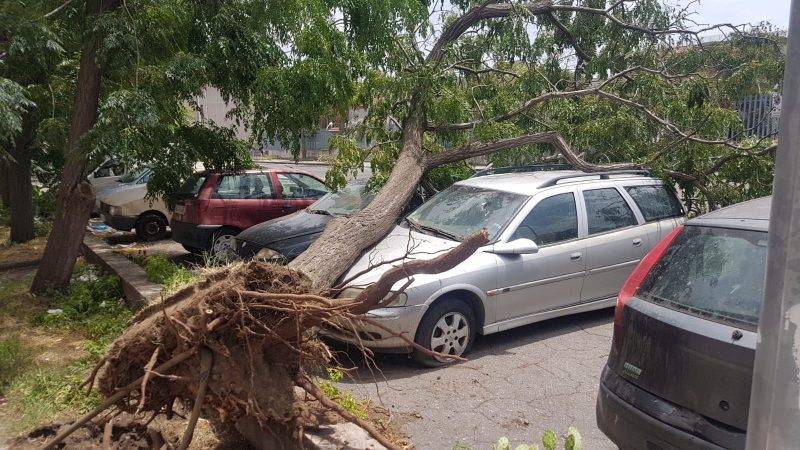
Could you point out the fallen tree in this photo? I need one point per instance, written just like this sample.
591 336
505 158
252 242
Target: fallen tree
236 345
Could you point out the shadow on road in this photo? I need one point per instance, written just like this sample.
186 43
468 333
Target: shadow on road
397 366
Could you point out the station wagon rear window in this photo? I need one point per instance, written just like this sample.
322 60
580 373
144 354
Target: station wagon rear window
655 202
713 273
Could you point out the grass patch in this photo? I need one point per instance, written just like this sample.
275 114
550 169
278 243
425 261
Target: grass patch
161 270
93 303
43 365
11 253
13 361
46 392
345 399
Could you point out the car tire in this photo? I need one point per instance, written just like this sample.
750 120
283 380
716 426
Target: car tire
151 227
193 250
448 327
222 244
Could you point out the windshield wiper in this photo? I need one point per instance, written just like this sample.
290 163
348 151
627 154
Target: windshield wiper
416 226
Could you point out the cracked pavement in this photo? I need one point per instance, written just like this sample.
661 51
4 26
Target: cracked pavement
516 383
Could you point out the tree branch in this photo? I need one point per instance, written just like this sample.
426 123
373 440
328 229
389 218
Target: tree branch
487 11
549 137
570 37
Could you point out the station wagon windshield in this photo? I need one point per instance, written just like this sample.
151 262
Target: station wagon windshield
349 200
460 211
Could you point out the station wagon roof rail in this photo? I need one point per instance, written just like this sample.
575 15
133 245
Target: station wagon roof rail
521 169
603 176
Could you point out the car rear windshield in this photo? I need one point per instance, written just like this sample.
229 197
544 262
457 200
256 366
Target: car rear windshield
713 273
350 200
192 185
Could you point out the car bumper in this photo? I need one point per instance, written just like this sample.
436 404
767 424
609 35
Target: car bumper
631 428
123 223
192 234
403 320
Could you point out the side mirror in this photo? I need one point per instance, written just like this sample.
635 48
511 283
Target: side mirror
515 247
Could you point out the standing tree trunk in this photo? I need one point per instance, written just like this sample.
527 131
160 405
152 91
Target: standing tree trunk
20 189
75 197
4 190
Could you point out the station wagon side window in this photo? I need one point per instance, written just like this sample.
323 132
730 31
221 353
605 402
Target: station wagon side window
249 186
656 202
298 185
552 220
606 210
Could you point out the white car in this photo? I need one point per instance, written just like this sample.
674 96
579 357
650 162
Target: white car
127 208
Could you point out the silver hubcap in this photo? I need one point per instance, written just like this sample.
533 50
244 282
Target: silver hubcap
450 335
223 246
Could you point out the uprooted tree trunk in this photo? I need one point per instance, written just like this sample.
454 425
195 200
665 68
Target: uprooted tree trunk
235 346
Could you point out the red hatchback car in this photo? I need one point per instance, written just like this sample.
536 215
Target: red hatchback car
213 207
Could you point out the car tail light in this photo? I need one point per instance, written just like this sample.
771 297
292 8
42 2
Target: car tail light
640 273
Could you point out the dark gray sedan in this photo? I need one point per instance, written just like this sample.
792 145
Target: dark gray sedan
284 238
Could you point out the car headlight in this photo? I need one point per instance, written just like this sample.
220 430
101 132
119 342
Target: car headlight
268 254
115 210
353 292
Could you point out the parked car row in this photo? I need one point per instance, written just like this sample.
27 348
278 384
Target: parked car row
687 294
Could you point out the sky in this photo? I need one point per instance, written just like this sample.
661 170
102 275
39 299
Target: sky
740 11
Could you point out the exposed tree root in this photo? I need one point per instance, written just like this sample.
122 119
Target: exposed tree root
256 323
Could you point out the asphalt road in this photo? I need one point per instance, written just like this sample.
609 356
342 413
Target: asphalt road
517 384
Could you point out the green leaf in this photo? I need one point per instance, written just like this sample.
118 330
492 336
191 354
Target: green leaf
549 440
574 441
503 444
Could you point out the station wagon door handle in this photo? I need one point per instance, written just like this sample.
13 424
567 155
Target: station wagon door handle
637 242
575 256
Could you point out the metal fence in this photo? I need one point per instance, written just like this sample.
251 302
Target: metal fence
760 114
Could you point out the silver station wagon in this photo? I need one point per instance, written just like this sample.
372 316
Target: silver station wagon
561 242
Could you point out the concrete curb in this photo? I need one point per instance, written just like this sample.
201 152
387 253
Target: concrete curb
139 291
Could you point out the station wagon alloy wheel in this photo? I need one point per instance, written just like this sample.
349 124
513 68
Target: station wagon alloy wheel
450 335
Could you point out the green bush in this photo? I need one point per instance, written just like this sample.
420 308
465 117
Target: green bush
92 303
44 203
161 270
13 360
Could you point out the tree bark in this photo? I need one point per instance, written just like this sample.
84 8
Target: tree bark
4 190
344 239
20 189
75 197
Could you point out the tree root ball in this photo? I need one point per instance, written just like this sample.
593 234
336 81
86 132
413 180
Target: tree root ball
254 318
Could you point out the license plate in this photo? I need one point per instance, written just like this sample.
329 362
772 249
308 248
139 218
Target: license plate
180 209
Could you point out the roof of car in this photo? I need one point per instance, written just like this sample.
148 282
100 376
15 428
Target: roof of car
750 215
529 183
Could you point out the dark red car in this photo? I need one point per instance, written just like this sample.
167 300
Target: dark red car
213 207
